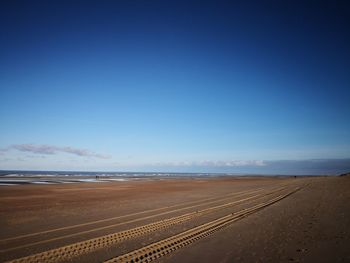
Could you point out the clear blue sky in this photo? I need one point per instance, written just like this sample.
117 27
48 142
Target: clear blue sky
226 86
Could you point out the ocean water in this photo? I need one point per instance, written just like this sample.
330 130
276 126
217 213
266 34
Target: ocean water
52 177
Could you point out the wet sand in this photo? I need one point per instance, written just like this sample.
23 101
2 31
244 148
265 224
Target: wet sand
310 225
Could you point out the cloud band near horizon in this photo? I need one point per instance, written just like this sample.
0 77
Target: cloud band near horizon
302 166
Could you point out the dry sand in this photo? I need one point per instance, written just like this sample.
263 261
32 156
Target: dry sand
311 225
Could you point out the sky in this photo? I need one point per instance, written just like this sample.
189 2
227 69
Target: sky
175 86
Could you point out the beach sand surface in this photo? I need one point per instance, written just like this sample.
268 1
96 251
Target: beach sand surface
310 225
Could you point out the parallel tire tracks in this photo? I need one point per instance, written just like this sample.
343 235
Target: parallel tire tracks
80 248
188 205
31 244
168 245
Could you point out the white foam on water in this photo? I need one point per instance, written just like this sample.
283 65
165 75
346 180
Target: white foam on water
91 180
12 175
41 182
117 179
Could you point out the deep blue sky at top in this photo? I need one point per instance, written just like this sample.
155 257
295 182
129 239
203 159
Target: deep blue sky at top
175 81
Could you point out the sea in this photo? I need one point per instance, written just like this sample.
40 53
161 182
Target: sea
8 178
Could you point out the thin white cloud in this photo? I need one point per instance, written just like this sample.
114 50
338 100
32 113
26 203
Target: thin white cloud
232 163
52 149
278 167
209 163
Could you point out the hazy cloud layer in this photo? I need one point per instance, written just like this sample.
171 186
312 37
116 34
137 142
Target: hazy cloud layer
51 149
232 163
278 167
311 166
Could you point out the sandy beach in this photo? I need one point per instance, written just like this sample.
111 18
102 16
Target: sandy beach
223 219
174 131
